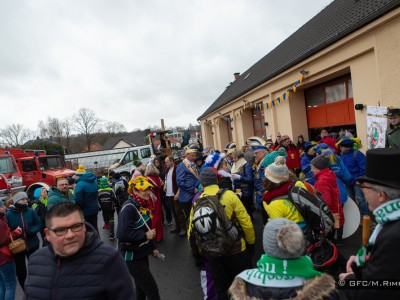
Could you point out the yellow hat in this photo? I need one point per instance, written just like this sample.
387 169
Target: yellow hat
192 148
230 148
81 170
140 183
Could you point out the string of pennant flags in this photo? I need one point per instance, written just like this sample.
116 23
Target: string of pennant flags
259 106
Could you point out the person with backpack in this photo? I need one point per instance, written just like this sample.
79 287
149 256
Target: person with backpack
326 184
283 272
354 160
40 207
108 202
120 186
217 222
276 201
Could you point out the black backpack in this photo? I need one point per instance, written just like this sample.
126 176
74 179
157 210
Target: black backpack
214 233
313 209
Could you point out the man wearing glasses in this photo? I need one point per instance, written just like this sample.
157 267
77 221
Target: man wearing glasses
76 264
379 260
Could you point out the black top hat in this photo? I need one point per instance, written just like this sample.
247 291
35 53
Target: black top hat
383 167
393 112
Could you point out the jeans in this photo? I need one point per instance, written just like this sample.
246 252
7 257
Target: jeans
355 193
146 286
175 210
8 281
167 209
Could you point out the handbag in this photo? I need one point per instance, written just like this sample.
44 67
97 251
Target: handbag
16 246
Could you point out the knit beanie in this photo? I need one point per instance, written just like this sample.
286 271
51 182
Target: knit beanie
320 162
270 157
81 170
19 196
104 183
283 238
278 171
208 176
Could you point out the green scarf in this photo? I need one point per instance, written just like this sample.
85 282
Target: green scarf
276 272
388 212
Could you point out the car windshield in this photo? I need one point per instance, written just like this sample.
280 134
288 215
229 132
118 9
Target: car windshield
50 163
7 165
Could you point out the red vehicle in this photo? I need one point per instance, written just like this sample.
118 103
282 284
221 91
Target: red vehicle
10 176
39 169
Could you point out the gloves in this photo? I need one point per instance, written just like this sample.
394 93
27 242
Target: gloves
235 177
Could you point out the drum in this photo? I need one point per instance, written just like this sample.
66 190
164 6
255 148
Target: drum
351 218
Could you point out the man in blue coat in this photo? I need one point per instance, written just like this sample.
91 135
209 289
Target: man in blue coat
354 160
86 196
76 264
187 180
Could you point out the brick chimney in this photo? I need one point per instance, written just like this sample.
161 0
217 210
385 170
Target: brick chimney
237 75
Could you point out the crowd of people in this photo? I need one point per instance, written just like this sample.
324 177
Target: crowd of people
211 197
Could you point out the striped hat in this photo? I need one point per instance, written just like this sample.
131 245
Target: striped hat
192 148
257 143
230 148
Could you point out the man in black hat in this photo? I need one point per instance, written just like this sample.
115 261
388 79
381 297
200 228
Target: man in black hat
380 259
393 132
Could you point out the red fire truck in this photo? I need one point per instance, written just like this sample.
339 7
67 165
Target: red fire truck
38 169
10 176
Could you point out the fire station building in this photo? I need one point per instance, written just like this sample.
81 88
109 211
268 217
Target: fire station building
346 55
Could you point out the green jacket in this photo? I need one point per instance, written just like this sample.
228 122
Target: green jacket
393 137
55 197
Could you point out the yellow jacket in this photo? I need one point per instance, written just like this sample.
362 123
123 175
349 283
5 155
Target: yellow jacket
231 203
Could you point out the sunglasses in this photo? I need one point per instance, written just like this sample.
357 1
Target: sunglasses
63 230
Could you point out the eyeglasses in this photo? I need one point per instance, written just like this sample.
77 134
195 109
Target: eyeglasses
63 230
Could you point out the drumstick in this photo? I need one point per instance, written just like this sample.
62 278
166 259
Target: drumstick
366 230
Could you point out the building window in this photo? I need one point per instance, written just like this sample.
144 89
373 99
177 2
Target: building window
258 121
228 128
335 93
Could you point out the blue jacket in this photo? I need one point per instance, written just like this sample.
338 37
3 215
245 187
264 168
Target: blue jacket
355 163
86 194
187 182
97 271
131 232
259 177
245 183
29 222
342 176
306 166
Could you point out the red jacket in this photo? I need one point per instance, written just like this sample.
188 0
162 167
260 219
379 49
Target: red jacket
293 157
326 184
5 255
330 142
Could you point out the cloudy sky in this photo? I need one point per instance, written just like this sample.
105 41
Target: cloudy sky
133 62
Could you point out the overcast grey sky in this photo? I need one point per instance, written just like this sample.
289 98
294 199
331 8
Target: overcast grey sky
133 62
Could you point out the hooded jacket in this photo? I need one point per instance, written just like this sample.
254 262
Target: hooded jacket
355 163
86 194
327 185
95 272
56 197
29 222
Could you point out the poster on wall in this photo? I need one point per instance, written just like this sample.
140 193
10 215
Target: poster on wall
376 126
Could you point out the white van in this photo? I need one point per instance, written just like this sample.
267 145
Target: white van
128 161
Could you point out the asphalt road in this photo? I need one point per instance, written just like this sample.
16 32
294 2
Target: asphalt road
178 278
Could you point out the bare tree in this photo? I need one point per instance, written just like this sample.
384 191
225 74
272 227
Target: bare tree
67 133
86 123
15 135
114 128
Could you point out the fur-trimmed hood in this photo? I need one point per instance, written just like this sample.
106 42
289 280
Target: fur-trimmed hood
319 288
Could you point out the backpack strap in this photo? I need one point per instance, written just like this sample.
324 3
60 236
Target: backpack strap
220 193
